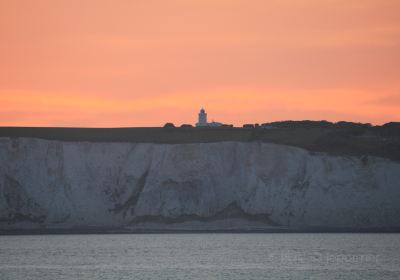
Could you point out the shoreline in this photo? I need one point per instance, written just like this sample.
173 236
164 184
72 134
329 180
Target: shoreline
189 231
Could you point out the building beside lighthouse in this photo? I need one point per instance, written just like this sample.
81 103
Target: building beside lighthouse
203 120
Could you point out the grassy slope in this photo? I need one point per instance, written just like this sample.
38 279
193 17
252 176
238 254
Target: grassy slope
341 141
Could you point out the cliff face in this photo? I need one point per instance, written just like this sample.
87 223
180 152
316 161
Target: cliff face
202 186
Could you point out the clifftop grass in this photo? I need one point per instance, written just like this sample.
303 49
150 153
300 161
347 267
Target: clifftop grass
355 140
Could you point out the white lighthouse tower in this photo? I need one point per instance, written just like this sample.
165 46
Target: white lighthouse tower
202 118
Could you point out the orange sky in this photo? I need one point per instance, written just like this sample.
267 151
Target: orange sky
110 63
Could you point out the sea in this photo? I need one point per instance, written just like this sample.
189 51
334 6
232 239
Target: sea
201 256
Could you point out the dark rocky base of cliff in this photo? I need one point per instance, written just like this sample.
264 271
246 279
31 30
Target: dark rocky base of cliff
104 230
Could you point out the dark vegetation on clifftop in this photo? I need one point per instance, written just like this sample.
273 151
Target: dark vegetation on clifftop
344 138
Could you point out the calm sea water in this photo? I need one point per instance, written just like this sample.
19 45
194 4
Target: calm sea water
201 256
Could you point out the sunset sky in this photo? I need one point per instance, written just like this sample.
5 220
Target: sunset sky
97 63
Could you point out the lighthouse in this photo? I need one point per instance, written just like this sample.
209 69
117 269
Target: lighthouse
202 118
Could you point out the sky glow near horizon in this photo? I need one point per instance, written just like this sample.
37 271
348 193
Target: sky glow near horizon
97 63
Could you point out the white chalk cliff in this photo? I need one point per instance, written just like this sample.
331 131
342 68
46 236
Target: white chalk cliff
199 186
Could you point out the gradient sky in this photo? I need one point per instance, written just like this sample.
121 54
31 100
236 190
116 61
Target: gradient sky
99 63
